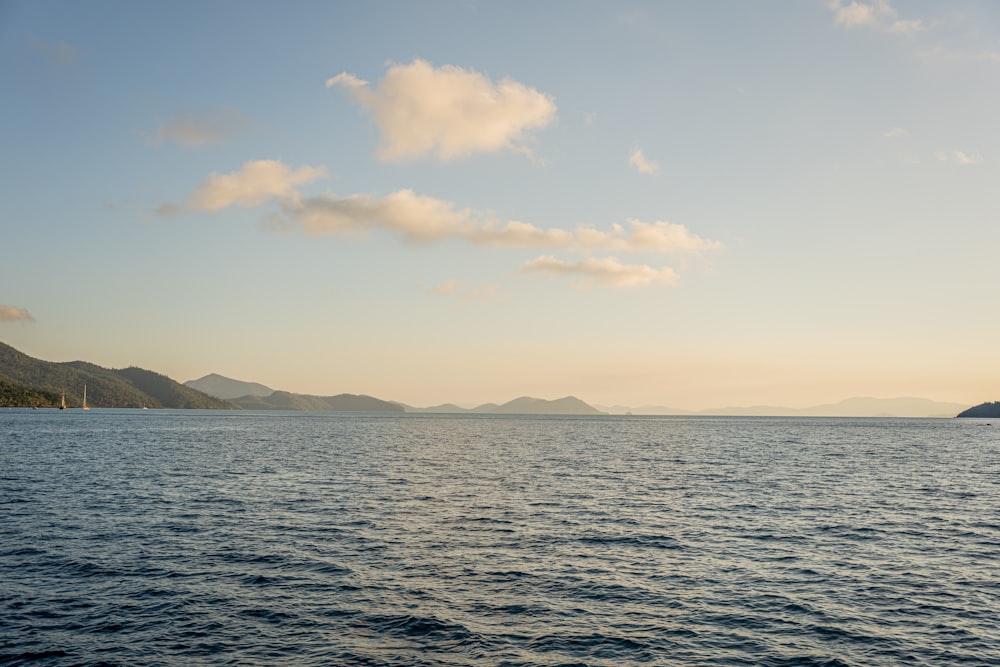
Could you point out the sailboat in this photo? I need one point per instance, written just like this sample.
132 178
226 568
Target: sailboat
62 405
84 406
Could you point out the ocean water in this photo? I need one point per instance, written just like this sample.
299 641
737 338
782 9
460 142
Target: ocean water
229 538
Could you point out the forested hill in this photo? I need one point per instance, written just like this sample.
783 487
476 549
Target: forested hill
30 382
982 410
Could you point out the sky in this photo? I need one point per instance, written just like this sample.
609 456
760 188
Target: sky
691 205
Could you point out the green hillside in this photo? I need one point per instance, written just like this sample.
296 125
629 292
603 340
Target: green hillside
13 394
106 388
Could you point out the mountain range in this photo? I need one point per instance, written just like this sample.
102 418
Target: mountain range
29 382
255 396
860 406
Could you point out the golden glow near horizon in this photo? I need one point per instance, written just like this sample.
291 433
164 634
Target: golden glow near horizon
640 205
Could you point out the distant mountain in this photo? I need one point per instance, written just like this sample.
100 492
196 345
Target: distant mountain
106 388
885 407
525 405
850 407
220 386
991 410
443 409
570 405
283 400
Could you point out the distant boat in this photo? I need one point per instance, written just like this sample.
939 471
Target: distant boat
84 406
62 406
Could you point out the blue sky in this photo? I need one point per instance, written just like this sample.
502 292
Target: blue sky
683 204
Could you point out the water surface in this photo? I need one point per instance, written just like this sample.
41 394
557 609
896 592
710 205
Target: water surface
182 537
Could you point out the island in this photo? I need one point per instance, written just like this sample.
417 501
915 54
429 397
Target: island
983 410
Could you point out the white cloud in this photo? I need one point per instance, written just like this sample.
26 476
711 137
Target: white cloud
895 133
423 219
606 271
877 15
638 160
448 111
416 217
958 157
198 128
255 183
14 314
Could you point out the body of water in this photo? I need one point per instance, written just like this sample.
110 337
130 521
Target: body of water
188 538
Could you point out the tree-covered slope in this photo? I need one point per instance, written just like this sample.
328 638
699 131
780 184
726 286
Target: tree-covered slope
106 388
169 393
14 395
989 409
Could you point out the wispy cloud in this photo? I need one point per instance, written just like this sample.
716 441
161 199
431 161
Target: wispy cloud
255 183
638 160
422 219
445 288
895 133
877 15
958 157
59 54
607 271
200 127
14 314
448 112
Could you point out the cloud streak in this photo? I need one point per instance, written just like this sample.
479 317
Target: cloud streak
255 183
200 128
14 314
420 219
454 288
448 112
877 15
958 157
643 165
423 219
607 271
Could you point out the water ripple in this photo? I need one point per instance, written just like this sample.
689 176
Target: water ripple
239 538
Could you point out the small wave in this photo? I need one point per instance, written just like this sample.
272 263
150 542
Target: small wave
33 656
646 541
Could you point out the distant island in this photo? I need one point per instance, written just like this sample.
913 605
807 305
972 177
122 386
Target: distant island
989 410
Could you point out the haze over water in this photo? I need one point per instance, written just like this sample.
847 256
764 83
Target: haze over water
149 537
